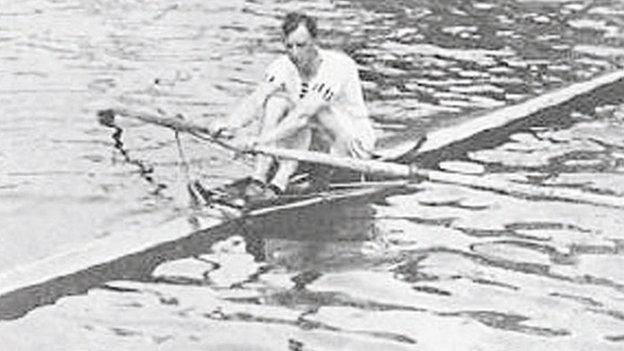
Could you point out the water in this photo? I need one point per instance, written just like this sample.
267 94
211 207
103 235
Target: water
435 267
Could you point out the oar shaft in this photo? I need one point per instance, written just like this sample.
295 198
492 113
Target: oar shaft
373 167
178 125
523 189
480 182
169 122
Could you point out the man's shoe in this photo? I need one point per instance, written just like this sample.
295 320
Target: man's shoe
260 195
254 188
272 191
236 188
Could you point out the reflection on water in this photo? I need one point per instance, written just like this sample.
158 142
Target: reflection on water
316 238
436 266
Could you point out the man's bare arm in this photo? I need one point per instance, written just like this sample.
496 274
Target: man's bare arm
298 117
248 108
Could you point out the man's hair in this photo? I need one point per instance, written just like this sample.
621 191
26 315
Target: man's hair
294 19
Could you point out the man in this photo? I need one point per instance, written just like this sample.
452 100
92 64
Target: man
306 88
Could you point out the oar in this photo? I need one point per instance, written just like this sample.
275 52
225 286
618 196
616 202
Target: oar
375 167
107 118
391 169
381 168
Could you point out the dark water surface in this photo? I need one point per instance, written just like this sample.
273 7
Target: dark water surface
434 267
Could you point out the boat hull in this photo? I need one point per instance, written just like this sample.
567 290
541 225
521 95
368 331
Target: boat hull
132 255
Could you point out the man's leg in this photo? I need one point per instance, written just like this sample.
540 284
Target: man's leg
286 168
276 107
348 138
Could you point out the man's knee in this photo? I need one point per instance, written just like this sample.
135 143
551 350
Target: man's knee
275 108
278 101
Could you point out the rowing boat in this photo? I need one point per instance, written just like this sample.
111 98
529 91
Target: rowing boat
129 255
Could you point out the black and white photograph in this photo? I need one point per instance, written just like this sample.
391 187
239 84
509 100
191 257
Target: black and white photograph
318 175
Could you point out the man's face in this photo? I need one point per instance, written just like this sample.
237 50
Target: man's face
300 46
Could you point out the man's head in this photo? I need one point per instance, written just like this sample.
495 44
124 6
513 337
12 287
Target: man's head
300 31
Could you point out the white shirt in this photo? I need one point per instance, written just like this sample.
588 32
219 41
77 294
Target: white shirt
339 76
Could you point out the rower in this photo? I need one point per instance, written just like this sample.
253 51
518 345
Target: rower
306 88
